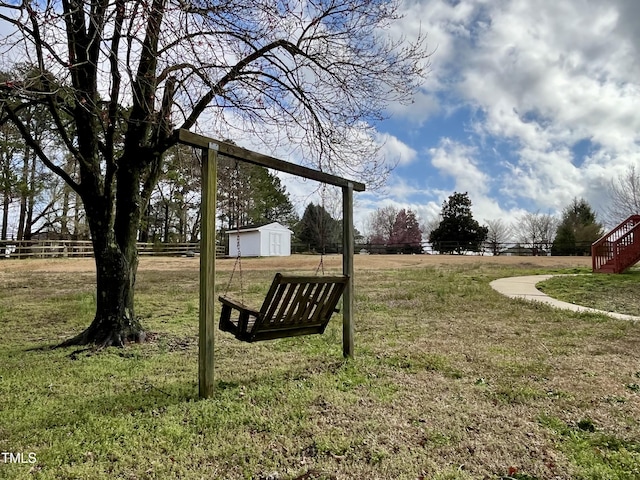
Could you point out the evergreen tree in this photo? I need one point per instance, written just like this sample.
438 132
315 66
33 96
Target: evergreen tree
250 194
269 200
458 231
318 229
577 230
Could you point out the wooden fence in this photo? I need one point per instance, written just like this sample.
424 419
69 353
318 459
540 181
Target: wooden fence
84 248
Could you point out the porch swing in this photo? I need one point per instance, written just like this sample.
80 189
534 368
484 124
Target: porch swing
294 305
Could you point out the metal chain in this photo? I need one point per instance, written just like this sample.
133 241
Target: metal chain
322 245
239 259
238 263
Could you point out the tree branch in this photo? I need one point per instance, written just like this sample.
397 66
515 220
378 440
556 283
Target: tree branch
32 143
233 74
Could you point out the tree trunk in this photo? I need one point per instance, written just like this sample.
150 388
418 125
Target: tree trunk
182 225
116 257
66 204
145 226
31 198
24 185
64 219
165 232
115 323
195 229
7 182
5 215
79 230
7 188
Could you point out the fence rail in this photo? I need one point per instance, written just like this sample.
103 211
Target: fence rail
84 248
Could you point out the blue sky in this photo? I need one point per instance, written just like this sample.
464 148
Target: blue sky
528 105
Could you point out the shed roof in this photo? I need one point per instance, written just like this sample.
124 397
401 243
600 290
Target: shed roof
259 227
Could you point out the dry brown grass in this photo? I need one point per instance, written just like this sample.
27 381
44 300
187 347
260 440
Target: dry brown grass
302 262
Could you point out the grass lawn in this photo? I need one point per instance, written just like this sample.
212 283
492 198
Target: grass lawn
451 380
608 292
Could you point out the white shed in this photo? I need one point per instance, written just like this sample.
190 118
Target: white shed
270 240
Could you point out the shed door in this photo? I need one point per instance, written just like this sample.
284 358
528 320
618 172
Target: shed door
275 243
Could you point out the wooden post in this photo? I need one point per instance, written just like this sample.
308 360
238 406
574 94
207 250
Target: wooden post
207 271
347 269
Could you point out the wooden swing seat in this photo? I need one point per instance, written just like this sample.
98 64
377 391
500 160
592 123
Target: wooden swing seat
294 305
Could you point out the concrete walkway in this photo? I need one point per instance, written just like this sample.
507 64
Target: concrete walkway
525 288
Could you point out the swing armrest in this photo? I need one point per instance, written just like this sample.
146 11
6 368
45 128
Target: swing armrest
241 307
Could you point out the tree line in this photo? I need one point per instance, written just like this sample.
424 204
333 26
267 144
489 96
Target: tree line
457 232
43 204
251 195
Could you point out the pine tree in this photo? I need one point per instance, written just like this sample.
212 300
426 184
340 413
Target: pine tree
318 229
251 195
578 229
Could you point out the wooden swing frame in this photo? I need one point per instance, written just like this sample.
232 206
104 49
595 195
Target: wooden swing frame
210 149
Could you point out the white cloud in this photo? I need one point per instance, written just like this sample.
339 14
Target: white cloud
458 161
537 77
394 151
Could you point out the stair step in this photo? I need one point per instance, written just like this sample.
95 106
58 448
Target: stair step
605 270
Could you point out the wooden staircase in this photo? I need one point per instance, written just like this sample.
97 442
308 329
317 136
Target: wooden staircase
619 249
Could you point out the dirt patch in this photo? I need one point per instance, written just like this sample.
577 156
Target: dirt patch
299 262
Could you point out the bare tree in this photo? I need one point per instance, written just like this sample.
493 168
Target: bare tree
406 236
116 77
536 230
624 194
499 233
429 225
381 224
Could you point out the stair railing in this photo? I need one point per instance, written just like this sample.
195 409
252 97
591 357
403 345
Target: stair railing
616 248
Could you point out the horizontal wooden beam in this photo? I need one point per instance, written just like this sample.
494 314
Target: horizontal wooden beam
242 154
